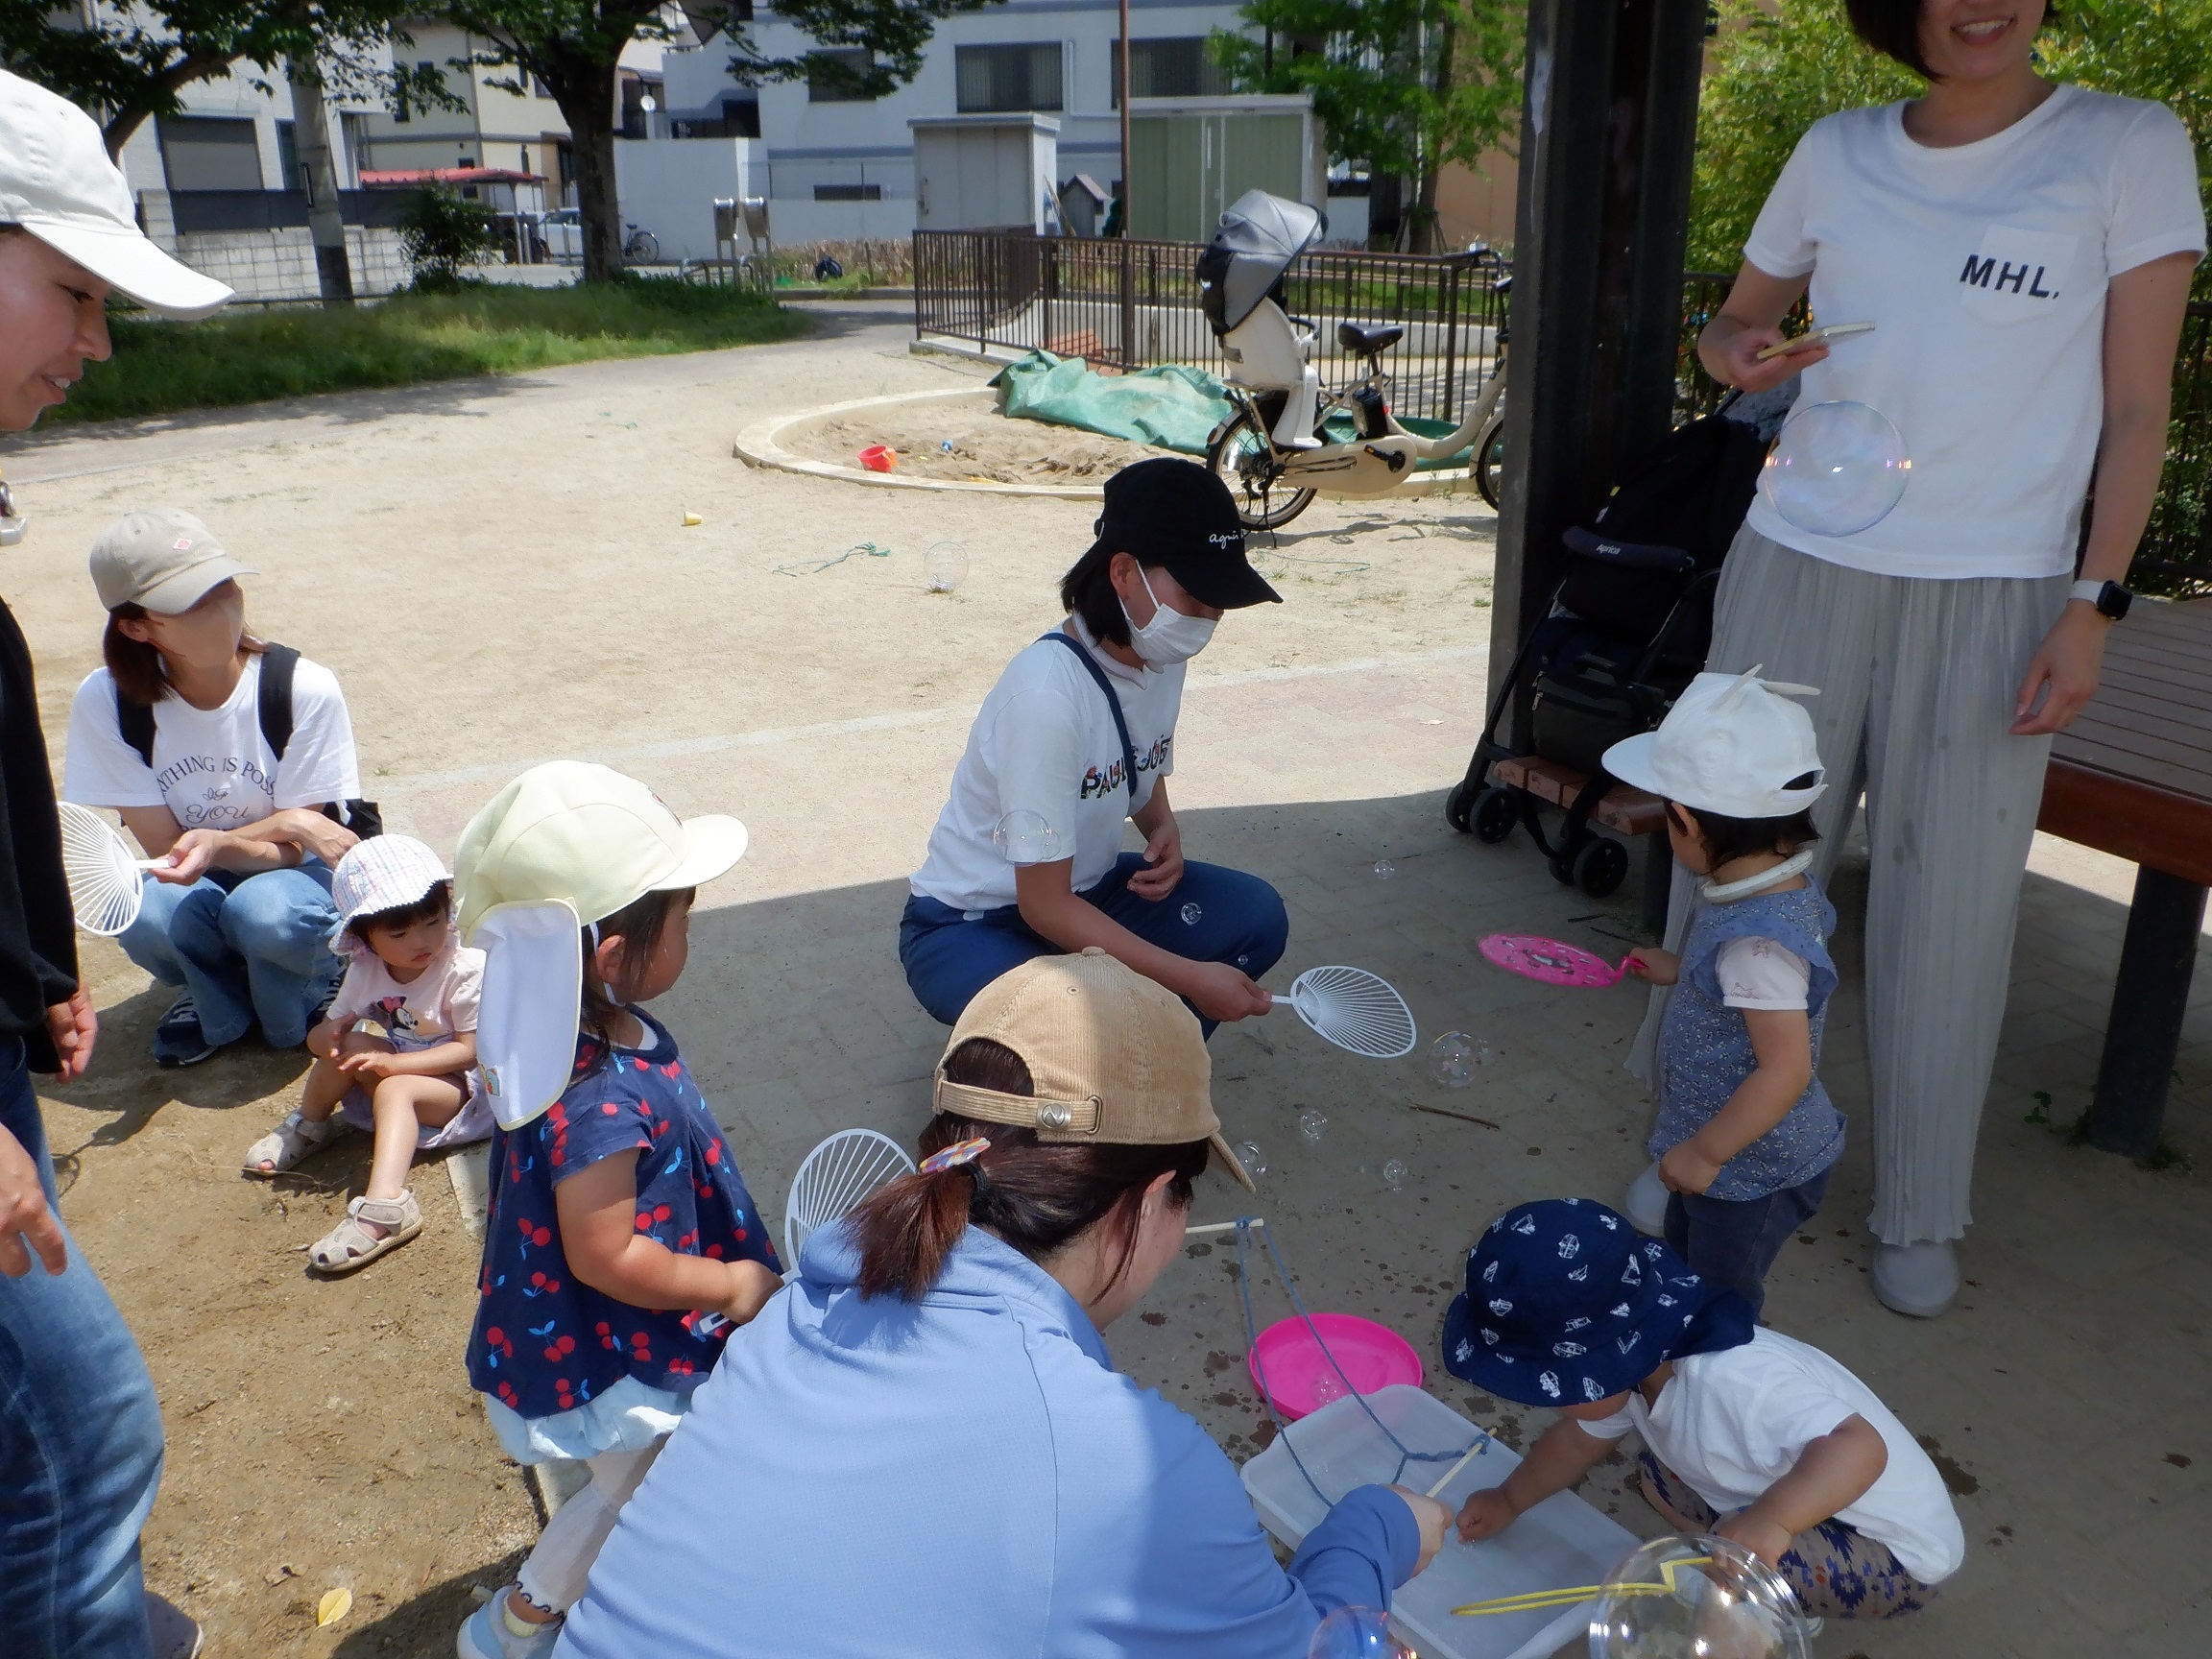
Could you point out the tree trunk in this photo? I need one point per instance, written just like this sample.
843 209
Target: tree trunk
587 101
1422 220
325 221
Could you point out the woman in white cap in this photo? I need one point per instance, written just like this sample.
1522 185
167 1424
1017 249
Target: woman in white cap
79 1427
922 1448
2024 251
232 762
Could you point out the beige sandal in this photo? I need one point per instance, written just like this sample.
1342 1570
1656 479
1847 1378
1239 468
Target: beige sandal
350 1246
290 1144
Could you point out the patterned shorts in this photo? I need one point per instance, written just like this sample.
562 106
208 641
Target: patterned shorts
1837 1571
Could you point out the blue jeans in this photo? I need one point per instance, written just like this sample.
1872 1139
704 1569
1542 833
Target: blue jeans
249 948
1733 1241
80 1444
948 958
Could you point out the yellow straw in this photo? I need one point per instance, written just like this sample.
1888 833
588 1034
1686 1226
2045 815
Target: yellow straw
1537 1600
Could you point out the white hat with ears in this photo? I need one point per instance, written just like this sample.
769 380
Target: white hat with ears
1733 744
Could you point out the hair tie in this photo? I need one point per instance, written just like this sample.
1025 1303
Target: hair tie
953 1157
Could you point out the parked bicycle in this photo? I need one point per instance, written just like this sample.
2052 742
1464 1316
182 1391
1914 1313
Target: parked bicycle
1274 451
639 246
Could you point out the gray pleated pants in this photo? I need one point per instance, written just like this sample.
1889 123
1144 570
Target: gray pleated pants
1917 680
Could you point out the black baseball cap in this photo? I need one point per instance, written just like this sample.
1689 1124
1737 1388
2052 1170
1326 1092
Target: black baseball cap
1176 514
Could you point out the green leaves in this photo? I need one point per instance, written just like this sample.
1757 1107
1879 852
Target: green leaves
894 32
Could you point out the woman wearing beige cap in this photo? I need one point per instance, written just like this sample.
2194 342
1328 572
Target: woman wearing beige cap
79 1427
922 1448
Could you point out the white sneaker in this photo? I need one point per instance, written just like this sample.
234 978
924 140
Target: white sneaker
489 1636
1919 1280
1645 1203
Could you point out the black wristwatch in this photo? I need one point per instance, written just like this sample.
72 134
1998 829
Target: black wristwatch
2109 597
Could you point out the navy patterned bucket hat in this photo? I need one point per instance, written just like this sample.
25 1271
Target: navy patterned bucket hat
1566 1303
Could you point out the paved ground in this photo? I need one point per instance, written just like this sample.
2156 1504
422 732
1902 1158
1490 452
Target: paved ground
498 574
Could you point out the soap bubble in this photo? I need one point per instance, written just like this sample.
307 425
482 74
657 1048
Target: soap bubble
1327 1387
1394 1174
1254 1160
1384 869
1313 1125
1837 469
945 565
1679 1595
1024 837
1191 915
1356 1633
1453 1056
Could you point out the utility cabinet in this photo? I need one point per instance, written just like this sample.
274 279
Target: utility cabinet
987 172
1189 157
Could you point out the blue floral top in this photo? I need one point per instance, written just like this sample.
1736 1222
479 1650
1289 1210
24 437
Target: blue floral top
545 1342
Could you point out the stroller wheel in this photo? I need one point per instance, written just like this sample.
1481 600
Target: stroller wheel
1456 804
1600 867
1494 814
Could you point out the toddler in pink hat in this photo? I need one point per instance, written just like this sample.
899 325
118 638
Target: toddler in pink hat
412 1080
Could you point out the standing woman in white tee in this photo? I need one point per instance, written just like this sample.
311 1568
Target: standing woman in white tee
239 915
2023 250
1075 741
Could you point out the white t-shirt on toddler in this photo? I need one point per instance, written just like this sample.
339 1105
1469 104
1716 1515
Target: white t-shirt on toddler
1733 1423
212 768
1045 742
1757 972
1984 268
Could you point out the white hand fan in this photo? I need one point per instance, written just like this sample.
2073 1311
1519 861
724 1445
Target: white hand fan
837 1175
106 884
1354 1009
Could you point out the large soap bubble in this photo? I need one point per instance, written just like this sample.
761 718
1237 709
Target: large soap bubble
1356 1633
1837 469
1024 838
1683 1598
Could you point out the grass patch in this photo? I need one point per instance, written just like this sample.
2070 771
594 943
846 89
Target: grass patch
249 356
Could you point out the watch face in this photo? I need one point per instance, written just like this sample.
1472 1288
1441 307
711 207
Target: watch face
2113 601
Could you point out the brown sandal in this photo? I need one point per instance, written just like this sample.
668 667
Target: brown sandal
350 1246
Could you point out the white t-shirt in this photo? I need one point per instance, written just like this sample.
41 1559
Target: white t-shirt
1733 1423
211 767
1759 974
1984 268
1045 742
437 1005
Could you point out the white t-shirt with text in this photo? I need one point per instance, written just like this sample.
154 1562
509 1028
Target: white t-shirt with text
1045 743
212 768
1733 1423
1984 268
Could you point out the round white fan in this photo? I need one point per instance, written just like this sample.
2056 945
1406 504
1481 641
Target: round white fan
105 882
1354 1009
835 1176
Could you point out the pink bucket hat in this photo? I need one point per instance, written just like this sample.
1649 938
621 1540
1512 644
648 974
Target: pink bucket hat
383 872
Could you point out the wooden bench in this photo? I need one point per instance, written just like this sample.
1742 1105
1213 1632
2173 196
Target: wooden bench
2132 776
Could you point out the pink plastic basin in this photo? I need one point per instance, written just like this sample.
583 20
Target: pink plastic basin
1300 1380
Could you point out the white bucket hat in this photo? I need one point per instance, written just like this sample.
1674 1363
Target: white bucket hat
57 182
383 872
565 844
1733 744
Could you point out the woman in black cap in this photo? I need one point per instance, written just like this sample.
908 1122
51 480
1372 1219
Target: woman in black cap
1080 735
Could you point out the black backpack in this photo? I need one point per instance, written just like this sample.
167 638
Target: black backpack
274 707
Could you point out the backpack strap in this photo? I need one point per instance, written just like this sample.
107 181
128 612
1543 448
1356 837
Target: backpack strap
134 720
274 702
1113 702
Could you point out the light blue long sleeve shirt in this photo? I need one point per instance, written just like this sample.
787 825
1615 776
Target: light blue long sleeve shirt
962 1477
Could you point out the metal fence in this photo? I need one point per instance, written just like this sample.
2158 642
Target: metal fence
1125 304
1129 304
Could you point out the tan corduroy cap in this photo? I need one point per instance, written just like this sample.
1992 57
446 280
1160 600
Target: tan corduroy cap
162 558
1113 1057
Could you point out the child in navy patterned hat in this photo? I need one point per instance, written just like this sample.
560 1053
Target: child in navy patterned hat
1748 1433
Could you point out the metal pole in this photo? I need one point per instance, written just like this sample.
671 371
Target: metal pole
1121 75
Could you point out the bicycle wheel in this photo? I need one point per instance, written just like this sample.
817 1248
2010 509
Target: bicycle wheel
643 248
1490 463
1242 458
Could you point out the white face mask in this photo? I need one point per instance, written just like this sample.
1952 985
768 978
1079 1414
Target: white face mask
1171 636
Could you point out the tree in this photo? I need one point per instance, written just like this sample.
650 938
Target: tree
894 33
1770 74
125 63
1405 86
440 234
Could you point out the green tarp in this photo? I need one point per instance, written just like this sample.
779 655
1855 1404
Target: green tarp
1172 406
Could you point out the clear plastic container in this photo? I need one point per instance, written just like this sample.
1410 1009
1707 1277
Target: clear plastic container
1562 1541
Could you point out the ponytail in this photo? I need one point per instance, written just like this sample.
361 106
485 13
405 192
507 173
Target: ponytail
1035 1195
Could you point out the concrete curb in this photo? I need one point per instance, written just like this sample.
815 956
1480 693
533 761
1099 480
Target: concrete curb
760 446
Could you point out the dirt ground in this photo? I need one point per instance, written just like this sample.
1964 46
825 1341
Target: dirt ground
498 574
986 446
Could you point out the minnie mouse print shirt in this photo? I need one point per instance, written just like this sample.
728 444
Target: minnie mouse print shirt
544 1342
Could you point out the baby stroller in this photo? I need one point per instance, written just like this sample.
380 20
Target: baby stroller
1628 628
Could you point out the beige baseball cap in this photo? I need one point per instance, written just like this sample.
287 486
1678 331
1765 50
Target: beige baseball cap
586 836
162 558
1112 1056
57 182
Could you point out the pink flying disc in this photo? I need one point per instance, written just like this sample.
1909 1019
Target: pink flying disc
1300 1379
1550 961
